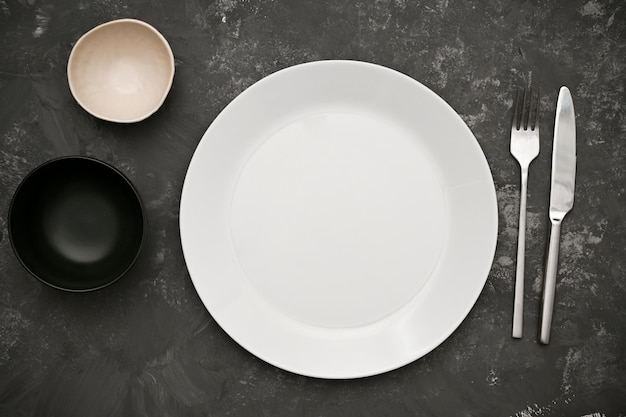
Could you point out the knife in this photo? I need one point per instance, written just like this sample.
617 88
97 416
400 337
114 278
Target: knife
561 199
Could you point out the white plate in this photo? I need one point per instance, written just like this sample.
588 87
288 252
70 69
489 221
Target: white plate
338 219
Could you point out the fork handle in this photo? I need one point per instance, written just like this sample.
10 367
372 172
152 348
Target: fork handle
518 304
549 282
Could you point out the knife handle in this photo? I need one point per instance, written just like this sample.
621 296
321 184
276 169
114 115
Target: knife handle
549 282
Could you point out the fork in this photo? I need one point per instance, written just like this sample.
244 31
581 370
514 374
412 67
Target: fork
525 148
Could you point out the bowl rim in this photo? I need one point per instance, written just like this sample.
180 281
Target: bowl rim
144 222
71 59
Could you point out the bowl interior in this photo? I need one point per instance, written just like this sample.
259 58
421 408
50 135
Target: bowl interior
121 71
76 223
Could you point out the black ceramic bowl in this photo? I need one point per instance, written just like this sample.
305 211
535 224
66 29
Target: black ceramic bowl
76 223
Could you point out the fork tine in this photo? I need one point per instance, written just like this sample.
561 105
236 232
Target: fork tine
516 120
525 110
530 119
536 119
530 109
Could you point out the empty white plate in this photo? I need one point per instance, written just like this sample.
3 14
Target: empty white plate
338 219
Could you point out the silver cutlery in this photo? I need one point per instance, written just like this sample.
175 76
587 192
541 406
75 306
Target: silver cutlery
525 148
561 199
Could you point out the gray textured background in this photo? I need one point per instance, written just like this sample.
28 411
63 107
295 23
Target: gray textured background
146 346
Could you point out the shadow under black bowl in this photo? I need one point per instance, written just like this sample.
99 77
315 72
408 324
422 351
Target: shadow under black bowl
76 223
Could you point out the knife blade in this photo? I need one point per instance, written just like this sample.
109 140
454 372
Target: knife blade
561 199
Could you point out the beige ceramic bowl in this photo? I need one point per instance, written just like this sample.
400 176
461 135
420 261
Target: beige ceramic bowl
121 71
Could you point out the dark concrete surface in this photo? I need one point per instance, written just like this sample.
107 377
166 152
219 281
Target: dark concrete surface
146 345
